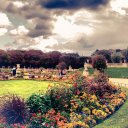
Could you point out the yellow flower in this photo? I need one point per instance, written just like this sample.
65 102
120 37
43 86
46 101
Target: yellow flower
86 110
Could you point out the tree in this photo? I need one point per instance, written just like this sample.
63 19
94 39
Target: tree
116 58
16 57
4 58
99 62
125 53
37 58
32 58
105 53
61 66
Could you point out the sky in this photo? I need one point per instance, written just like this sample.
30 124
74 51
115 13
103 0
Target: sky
79 26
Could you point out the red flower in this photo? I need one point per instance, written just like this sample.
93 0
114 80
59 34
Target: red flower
34 114
58 97
75 85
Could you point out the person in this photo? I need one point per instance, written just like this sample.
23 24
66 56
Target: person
13 71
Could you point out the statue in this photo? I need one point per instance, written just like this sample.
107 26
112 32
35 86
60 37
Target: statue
18 71
85 72
70 68
18 66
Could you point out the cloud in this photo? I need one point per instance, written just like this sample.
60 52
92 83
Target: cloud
66 27
109 32
41 28
20 4
72 4
21 30
4 21
78 44
103 25
4 24
21 42
3 31
119 6
42 43
42 19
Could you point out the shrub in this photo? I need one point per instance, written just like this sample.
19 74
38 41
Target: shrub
60 96
61 65
14 109
99 62
38 102
100 85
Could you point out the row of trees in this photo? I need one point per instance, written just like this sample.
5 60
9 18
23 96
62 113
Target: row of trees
113 56
37 58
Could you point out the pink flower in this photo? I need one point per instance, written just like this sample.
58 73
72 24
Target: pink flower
46 125
23 127
78 92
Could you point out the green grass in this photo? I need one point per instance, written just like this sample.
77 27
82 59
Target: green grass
23 88
119 119
114 72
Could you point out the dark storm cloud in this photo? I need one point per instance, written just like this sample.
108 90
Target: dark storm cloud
72 4
39 32
33 11
42 27
42 20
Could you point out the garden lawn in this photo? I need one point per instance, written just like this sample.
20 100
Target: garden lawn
23 88
114 72
119 119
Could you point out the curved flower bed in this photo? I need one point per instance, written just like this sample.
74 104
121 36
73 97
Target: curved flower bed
81 105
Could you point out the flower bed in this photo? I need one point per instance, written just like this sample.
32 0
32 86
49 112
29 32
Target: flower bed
48 75
80 105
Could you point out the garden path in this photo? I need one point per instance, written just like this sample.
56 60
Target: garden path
119 81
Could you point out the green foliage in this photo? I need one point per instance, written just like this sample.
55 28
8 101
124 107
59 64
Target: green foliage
60 96
105 53
38 102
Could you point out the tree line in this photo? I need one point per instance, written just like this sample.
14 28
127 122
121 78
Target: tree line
113 55
37 59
